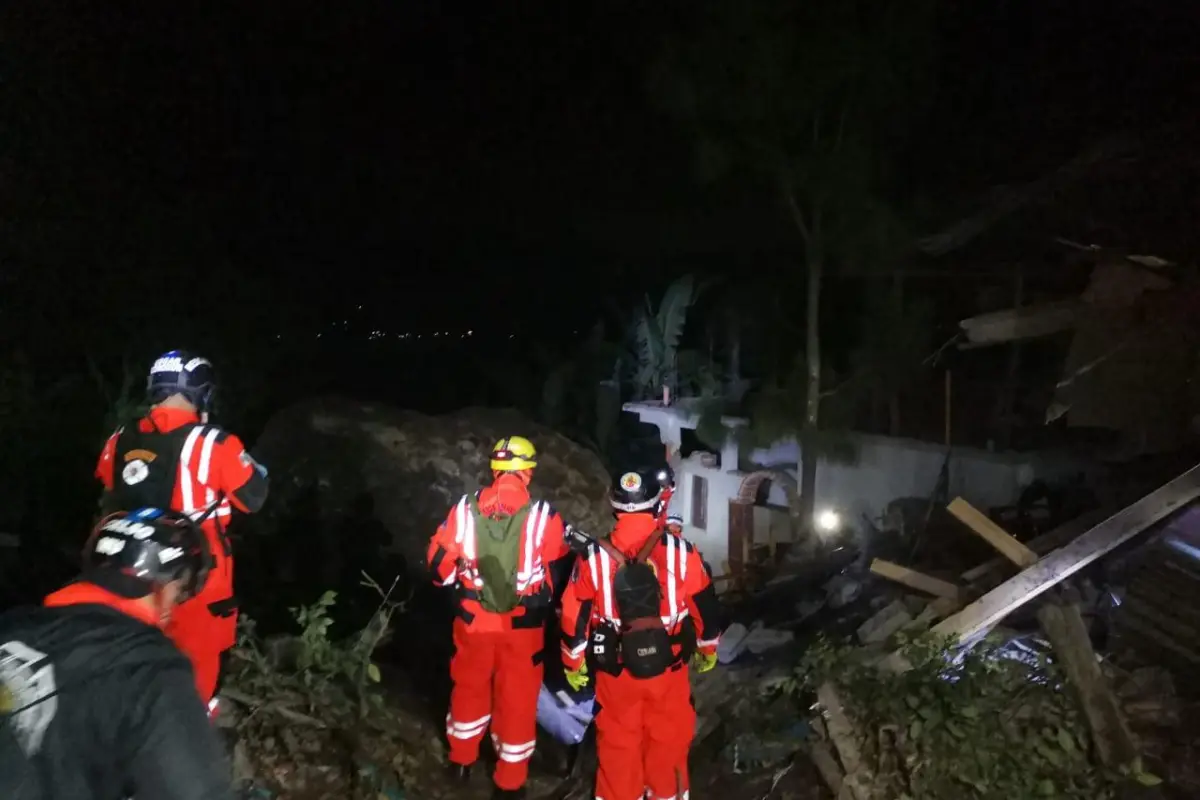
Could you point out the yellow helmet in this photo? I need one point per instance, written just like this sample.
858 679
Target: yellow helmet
513 454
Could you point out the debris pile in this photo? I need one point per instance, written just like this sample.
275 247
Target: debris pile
958 713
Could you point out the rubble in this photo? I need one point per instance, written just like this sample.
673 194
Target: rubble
397 473
1107 736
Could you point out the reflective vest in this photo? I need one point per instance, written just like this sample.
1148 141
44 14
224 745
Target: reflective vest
149 465
531 572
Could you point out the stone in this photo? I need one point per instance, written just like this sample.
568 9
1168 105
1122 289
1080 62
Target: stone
367 475
883 624
842 590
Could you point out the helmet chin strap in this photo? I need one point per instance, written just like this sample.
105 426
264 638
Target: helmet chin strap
160 606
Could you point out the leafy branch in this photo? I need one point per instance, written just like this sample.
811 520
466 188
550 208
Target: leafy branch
978 725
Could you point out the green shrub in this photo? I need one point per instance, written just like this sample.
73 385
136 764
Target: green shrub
978 726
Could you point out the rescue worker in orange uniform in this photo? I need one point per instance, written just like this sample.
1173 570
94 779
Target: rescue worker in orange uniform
174 459
496 548
639 607
666 482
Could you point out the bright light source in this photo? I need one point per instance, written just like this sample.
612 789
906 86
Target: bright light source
828 521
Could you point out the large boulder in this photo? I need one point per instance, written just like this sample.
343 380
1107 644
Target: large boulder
348 476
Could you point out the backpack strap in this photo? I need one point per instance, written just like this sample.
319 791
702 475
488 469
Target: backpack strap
607 546
647 548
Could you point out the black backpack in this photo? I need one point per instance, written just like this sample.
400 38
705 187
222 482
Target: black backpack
642 645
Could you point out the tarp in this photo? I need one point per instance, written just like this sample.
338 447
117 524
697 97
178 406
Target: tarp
564 715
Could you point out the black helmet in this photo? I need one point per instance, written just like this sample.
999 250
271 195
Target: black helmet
634 491
151 546
180 372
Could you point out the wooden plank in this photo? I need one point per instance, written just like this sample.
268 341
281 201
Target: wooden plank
1050 540
915 580
1016 324
992 533
932 613
1068 635
844 736
1065 562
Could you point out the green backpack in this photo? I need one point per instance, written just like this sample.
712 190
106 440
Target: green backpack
497 554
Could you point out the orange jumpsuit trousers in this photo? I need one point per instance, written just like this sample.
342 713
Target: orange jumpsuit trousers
201 635
644 729
497 676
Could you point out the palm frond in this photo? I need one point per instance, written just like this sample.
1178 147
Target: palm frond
649 353
672 312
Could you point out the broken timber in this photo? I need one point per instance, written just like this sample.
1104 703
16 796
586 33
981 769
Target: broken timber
1065 562
1064 626
992 533
1051 540
916 580
1063 623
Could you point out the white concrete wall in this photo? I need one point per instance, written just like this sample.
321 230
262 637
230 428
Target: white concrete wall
713 541
886 469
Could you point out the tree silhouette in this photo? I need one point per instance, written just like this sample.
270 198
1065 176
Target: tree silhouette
806 98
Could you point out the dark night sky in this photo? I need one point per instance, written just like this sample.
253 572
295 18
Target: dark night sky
498 145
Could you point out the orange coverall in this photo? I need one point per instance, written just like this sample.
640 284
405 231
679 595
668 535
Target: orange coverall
497 663
213 466
644 727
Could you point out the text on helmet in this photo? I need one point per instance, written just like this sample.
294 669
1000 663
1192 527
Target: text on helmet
137 530
167 364
170 554
109 545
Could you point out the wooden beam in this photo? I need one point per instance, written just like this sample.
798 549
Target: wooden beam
1068 635
936 610
915 580
1017 324
992 533
1065 562
845 737
1050 540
